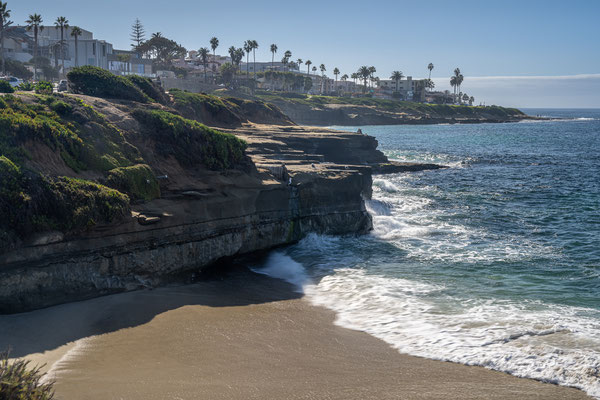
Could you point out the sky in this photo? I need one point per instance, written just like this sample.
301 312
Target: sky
525 53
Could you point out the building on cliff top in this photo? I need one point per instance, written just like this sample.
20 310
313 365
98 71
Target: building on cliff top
19 46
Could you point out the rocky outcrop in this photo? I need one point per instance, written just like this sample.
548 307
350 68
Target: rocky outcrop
202 217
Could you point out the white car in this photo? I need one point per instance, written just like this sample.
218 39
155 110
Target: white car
14 82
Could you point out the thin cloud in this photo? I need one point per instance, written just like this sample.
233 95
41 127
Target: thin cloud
558 91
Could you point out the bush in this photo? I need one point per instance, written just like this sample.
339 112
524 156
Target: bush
94 81
20 382
137 181
61 108
191 142
26 86
205 108
44 87
152 90
6 87
30 202
19 123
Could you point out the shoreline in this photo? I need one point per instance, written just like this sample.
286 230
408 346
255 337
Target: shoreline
241 335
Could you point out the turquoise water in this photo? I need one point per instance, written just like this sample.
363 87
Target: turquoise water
494 261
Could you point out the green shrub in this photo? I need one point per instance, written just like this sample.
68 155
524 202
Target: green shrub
20 123
61 108
151 89
83 138
26 86
6 87
205 108
94 81
191 142
20 382
30 202
79 204
43 87
137 181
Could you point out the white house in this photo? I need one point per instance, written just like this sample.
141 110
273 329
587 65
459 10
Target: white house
19 44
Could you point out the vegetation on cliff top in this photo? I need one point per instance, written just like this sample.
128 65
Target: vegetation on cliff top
137 181
95 81
31 202
150 89
205 108
190 142
47 140
82 137
225 111
20 382
434 110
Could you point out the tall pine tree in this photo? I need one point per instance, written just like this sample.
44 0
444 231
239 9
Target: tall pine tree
138 34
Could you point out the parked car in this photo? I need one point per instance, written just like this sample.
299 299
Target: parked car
62 86
14 81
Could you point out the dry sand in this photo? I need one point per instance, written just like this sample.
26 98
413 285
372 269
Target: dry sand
241 337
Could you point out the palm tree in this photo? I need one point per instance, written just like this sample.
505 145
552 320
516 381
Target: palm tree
273 51
397 77
4 23
308 63
287 55
254 45
299 62
35 23
214 43
454 84
157 35
430 67
62 23
364 72
336 72
247 48
284 61
457 81
232 55
465 97
471 100
76 32
323 69
354 76
203 52
239 55
314 69
372 71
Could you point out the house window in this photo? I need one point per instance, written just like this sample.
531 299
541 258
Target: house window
93 48
104 50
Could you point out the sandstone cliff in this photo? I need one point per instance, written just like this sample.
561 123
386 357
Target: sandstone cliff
187 209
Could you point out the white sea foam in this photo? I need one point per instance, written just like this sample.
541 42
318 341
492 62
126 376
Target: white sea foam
280 266
549 343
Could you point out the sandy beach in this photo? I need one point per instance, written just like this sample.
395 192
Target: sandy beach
241 336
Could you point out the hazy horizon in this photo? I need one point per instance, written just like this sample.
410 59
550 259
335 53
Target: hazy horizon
497 46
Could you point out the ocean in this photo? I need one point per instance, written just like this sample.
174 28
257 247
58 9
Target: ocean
494 261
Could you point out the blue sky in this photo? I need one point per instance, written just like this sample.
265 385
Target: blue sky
484 38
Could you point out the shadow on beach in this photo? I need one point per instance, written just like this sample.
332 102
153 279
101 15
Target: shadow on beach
47 329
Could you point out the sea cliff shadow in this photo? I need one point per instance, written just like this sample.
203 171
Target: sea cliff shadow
47 329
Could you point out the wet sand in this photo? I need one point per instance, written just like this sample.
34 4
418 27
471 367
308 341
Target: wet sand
241 337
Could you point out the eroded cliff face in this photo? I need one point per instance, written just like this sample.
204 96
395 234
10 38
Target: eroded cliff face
296 182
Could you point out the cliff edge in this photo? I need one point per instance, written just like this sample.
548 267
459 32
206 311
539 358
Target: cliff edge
101 195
